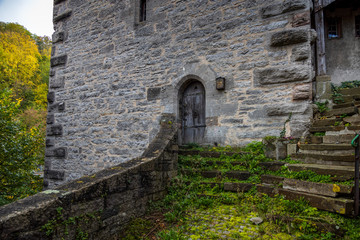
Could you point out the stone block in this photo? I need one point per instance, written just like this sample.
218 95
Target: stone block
58 37
301 19
51 97
276 75
62 16
58 61
54 130
300 53
325 189
54 174
280 8
271 179
302 92
50 119
292 148
57 152
337 205
288 37
57 82
153 93
50 142
58 1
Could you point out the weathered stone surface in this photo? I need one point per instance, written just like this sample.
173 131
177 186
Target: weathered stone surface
50 119
116 67
271 179
281 8
62 16
58 37
113 196
58 61
302 92
58 1
288 37
51 97
153 93
325 189
337 205
276 75
54 130
300 53
54 174
338 173
58 82
337 112
57 152
301 19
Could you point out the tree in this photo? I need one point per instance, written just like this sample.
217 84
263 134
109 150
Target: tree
21 151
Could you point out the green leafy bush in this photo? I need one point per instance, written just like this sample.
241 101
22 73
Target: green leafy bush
21 152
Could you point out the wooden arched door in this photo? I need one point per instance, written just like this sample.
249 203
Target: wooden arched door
192 110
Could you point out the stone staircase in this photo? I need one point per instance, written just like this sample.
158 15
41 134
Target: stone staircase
327 151
208 169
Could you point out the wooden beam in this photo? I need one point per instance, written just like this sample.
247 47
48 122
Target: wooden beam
320 4
320 41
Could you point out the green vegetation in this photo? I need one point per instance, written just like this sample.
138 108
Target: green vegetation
198 208
24 74
322 107
336 95
319 134
60 224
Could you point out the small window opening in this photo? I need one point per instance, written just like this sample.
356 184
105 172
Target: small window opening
357 26
334 28
142 10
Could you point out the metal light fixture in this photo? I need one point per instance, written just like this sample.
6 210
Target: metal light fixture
220 83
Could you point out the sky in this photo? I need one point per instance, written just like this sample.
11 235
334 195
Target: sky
34 15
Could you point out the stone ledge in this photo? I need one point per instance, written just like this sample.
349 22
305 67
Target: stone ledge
62 16
119 192
289 37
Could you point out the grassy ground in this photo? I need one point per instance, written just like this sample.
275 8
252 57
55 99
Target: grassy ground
192 210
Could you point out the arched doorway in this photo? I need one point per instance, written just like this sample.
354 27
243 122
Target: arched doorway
192 112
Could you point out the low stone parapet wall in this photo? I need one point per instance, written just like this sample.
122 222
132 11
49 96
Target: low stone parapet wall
96 206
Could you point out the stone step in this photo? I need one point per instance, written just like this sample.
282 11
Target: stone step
212 163
208 153
350 91
336 139
343 105
325 122
341 160
354 127
338 205
326 147
338 173
239 175
229 186
341 111
324 189
326 128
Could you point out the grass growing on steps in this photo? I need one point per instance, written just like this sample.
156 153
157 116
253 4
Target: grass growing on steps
193 210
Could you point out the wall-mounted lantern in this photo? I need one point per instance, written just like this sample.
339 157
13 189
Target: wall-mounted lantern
220 83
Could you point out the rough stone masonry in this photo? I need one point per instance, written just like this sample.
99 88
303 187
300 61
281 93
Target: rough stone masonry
113 76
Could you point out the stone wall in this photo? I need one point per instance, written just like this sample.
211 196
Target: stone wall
112 76
96 206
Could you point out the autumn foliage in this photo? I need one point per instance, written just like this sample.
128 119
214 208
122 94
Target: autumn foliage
24 73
